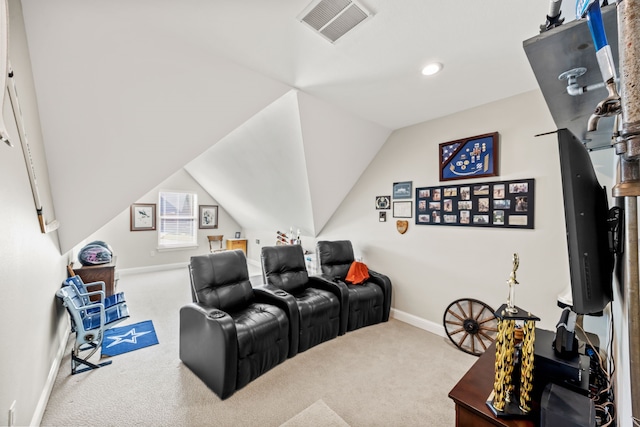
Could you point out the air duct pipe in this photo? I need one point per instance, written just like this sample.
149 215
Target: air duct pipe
628 35
627 147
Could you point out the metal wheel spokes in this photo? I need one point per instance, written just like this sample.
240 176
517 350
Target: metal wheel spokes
471 325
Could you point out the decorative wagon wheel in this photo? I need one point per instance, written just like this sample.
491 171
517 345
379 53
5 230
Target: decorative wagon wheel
471 325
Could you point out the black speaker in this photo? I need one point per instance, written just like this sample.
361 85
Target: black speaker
562 407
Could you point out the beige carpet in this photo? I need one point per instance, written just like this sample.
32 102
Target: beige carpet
319 415
391 374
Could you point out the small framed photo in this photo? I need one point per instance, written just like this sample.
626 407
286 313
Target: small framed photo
208 216
143 216
382 217
402 209
383 202
518 187
402 190
237 234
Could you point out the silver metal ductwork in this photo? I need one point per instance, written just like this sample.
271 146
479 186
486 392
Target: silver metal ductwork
555 53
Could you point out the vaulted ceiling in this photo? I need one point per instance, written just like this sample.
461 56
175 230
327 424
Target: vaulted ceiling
292 163
130 91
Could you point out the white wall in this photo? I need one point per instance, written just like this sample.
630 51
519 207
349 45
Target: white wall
431 266
138 249
32 269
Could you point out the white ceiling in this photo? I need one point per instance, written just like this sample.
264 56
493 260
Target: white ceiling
145 86
314 154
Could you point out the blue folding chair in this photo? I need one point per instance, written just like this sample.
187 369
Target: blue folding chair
89 321
83 291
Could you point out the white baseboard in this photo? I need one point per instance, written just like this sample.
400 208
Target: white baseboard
51 378
151 268
164 267
418 322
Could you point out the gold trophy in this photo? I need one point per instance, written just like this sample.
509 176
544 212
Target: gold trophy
511 308
511 397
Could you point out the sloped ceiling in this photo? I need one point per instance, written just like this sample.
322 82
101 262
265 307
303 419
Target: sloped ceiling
292 163
258 171
123 108
130 91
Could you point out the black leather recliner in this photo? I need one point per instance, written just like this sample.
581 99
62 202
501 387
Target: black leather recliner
321 304
230 334
369 302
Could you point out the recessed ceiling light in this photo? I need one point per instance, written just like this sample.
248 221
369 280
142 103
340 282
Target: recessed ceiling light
432 69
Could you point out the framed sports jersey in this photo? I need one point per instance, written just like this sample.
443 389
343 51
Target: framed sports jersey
472 157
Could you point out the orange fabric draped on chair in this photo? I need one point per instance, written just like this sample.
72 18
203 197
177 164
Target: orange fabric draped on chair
358 273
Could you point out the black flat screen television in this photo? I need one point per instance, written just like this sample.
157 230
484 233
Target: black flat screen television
586 215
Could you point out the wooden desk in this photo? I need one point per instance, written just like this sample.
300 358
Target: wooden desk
471 392
99 273
237 244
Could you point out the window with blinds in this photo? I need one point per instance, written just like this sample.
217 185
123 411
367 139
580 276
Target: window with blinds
177 219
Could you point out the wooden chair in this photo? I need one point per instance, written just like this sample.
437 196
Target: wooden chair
212 239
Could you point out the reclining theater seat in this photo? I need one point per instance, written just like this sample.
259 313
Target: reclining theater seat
321 304
369 302
229 336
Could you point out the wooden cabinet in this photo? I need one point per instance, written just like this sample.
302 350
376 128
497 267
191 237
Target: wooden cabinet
471 392
99 273
237 244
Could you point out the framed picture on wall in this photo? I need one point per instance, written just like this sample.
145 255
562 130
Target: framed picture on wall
383 202
402 190
143 216
402 209
472 157
208 216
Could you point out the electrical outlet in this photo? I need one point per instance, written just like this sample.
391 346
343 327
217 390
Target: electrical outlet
257 241
12 414
152 253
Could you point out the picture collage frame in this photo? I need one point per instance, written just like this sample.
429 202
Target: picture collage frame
501 204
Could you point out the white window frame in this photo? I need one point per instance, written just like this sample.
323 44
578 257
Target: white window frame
177 241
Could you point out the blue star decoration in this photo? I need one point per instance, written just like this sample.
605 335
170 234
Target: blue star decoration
131 334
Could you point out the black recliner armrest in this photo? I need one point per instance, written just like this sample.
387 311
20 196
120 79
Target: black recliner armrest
202 329
385 284
340 290
270 294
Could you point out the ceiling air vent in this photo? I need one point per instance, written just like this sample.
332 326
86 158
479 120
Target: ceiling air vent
333 18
